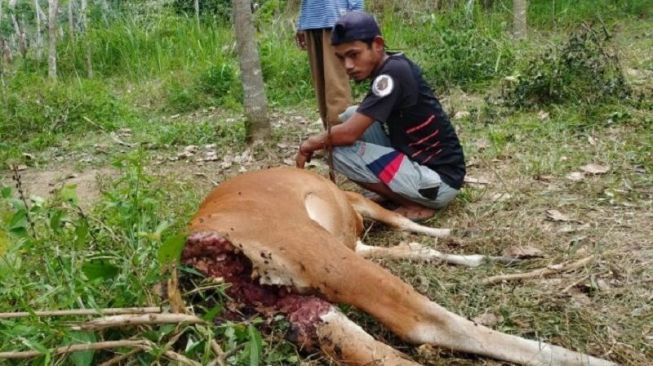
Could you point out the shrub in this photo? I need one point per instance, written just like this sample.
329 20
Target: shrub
221 81
36 106
586 69
464 58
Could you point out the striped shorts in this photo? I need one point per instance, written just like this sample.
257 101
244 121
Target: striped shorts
372 159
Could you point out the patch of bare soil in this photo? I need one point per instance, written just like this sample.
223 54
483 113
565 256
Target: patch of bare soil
43 183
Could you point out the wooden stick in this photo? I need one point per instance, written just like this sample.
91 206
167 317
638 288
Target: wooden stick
76 348
137 319
557 268
140 344
108 311
219 353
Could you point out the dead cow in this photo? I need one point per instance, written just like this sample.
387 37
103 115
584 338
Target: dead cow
287 241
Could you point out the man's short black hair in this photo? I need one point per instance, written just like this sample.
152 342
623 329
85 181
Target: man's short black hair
355 26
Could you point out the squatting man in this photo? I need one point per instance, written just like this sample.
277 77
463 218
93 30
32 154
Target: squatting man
398 142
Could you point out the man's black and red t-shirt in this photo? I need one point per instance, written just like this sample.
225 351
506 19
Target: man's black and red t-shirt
416 124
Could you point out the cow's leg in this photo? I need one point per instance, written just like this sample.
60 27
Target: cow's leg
372 210
419 252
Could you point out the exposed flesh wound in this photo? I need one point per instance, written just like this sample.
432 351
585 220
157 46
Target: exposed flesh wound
215 256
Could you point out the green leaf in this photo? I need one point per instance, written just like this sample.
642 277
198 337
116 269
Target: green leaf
4 242
5 192
81 233
69 193
84 358
212 313
255 345
55 220
18 222
99 268
32 344
170 250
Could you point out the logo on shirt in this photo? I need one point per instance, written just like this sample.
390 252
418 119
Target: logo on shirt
382 85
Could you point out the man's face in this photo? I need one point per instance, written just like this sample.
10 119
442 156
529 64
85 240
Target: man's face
359 58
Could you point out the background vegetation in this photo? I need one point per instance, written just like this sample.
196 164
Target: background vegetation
576 91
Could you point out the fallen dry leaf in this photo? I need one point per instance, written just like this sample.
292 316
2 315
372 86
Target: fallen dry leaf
473 180
556 215
542 115
575 176
545 178
482 144
522 252
488 319
461 115
501 197
591 140
595 169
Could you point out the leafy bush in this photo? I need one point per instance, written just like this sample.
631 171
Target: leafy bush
285 70
217 85
464 58
34 106
221 81
585 69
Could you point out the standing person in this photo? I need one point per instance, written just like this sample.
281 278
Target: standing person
330 81
398 142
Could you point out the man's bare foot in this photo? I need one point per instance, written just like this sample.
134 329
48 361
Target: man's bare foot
415 213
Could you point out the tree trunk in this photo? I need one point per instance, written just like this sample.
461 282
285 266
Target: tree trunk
53 6
87 45
38 16
255 103
197 12
71 20
19 33
519 21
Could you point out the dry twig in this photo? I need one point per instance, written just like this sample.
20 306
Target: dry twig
76 348
557 268
71 312
137 319
139 344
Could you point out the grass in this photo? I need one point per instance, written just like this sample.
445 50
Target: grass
161 85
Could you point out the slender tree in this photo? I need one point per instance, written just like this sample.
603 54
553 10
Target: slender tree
71 20
20 33
519 21
197 12
87 45
38 17
53 7
255 102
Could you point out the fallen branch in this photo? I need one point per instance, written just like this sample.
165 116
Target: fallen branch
137 319
139 344
557 268
108 311
219 353
76 348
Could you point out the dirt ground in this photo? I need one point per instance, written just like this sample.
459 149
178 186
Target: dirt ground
603 308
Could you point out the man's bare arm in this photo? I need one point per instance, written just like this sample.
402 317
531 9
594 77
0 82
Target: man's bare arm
343 134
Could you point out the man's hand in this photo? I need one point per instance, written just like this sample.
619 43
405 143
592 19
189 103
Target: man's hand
302 158
300 38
